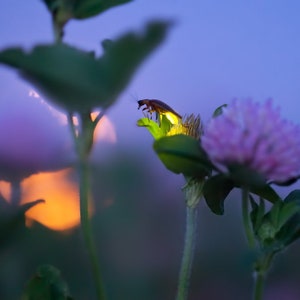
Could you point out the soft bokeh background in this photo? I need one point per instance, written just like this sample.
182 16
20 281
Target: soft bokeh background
217 51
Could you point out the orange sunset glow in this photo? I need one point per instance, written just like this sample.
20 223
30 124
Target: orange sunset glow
61 210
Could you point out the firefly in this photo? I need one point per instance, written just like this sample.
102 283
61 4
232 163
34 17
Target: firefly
160 108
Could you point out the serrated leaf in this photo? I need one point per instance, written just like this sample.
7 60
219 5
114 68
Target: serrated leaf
80 9
183 154
78 81
88 8
215 191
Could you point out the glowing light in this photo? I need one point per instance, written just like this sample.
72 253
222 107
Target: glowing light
105 131
171 117
34 94
5 189
61 210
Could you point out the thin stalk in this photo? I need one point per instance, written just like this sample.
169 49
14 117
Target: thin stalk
246 218
84 190
259 285
57 30
260 276
188 253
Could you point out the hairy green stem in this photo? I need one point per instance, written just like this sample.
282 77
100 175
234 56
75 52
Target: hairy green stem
260 274
188 253
83 140
246 218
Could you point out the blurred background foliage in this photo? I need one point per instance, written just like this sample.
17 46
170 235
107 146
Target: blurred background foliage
139 225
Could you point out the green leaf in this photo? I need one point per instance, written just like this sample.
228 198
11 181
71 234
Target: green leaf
46 284
255 182
165 124
88 8
219 110
290 231
266 192
80 9
183 154
288 210
159 128
215 191
246 177
293 196
257 213
78 81
281 225
152 126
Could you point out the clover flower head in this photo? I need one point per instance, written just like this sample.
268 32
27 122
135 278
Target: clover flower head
254 135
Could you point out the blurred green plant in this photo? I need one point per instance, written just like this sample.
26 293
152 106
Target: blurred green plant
274 230
79 82
46 284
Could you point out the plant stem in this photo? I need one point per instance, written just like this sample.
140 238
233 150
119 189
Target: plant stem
246 218
260 273
83 141
84 190
259 285
188 253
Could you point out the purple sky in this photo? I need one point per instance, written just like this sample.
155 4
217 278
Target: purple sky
216 52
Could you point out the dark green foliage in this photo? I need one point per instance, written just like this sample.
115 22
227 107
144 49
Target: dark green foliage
75 79
280 226
81 9
183 154
46 284
215 191
12 219
219 110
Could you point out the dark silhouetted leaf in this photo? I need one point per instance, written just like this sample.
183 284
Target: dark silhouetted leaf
246 177
219 110
266 192
88 8
80 9
291 230
46 284
12 219
215 191
78 81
